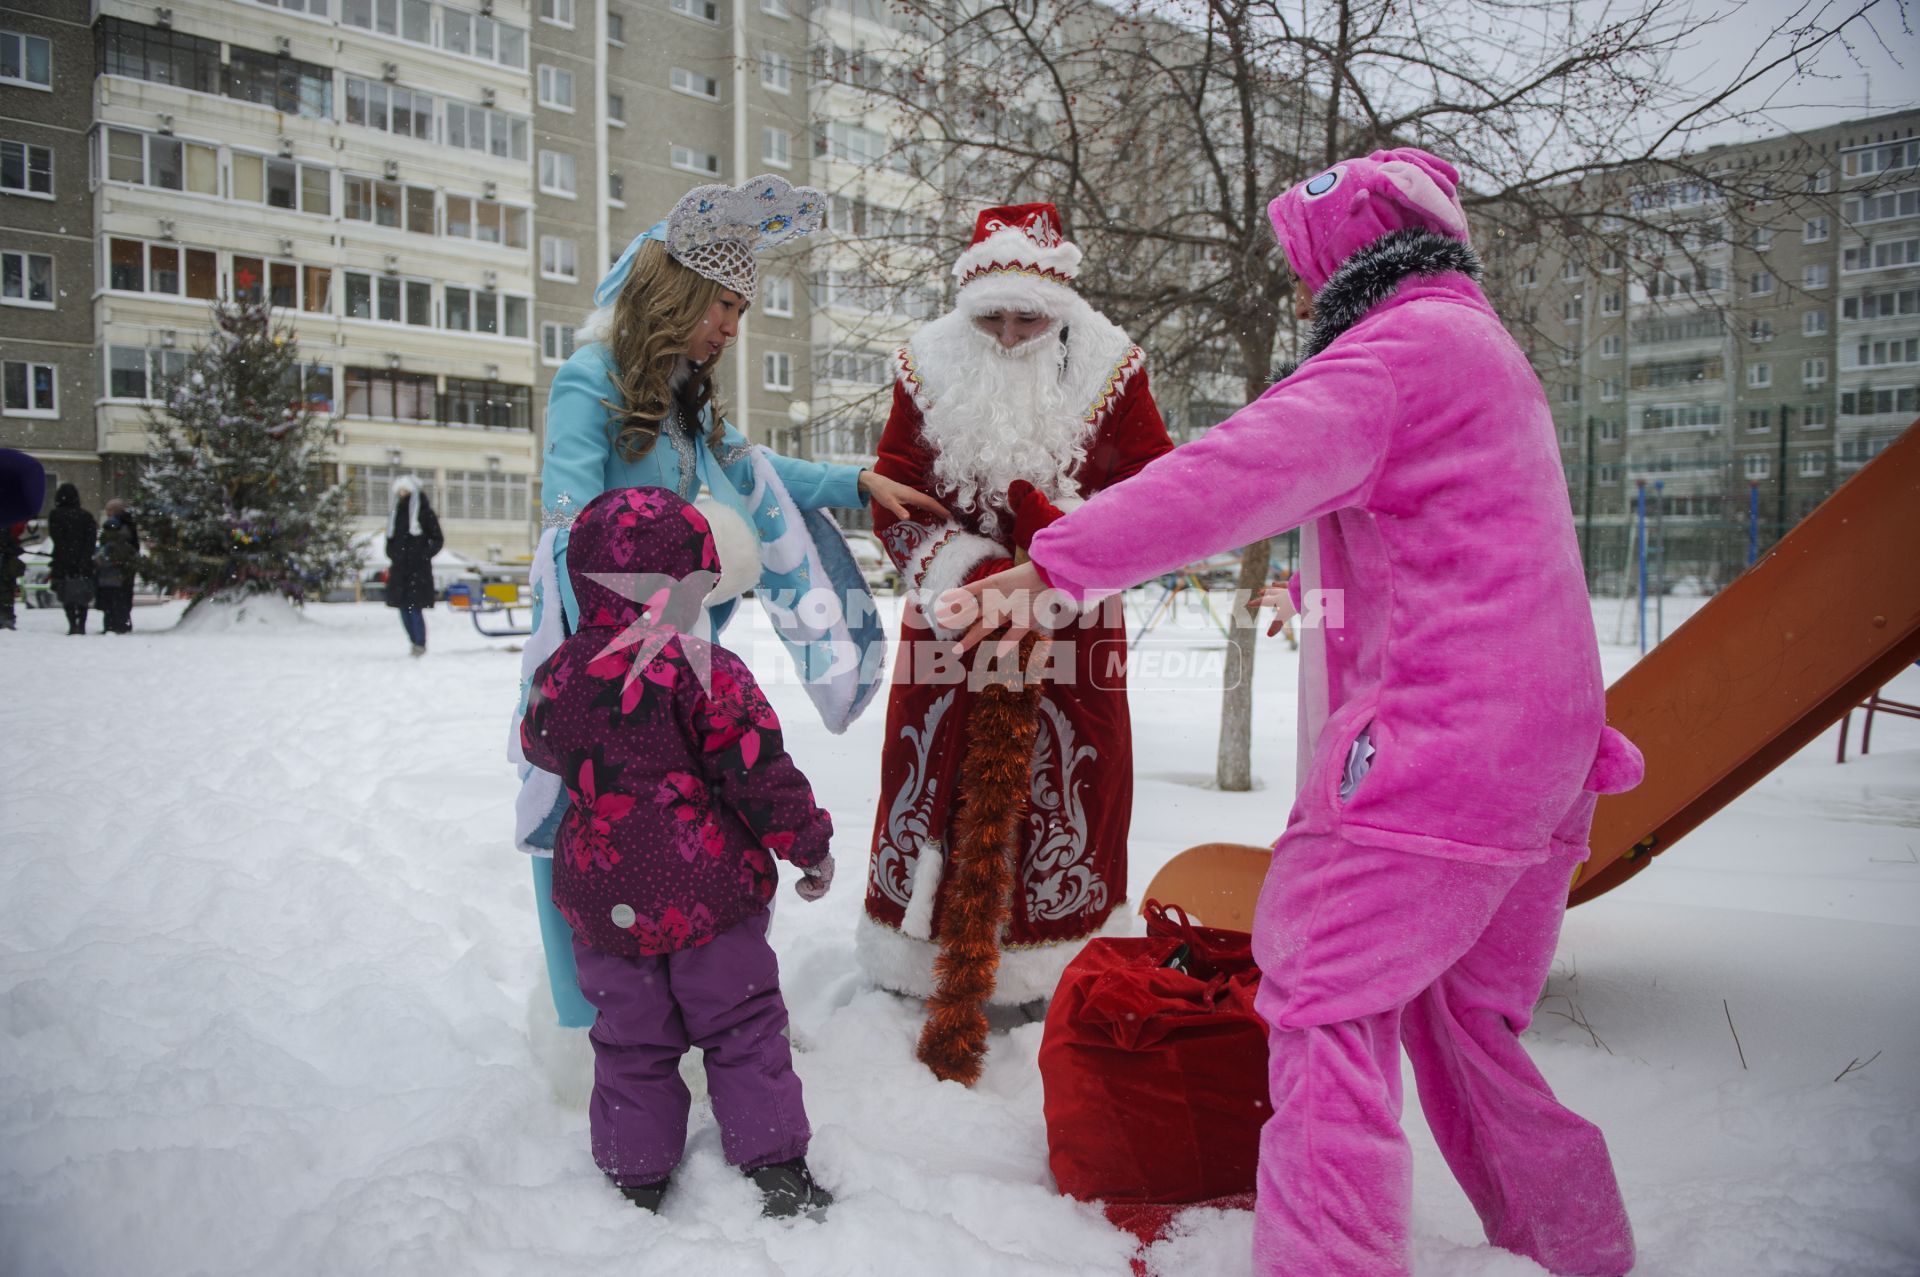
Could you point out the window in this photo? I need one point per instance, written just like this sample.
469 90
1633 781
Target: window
1820 183
388 204
559 258
558 12
1816 230
478 36
1762 238
693 161
1761 284
1679 416
148 160
138 372
26 60
389 108
775 8
1881 305
1866 161
1864 210
700 10
556 88
617 110
1569 270
280 280
29 389
1898 352
1814 416
26 279
1881 255
1758 465
1610 347
1570 393
479 128
617 190
279 183
557 175
149 53
483 494
776 147
1813 324
1759 376
776 370
1869 401
1759 420
486 221
1813 464
1610 304
1760 330
388 298
693 85
616 29
1526 277
489 405
1815 275
776 73
288 85
1813 372
26 169
556 343
136 266
407 19
1610 390
1611 261
388 395
776 295
1610 430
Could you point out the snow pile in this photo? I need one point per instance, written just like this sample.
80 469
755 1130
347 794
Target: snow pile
268 960
252 613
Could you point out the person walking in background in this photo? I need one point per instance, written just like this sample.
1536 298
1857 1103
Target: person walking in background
413 538
71 572
12 541
115 564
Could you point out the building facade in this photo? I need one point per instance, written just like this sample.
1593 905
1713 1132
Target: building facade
1731 340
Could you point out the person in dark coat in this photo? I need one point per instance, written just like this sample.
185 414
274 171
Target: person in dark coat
12 542
71 571
114 566
413 538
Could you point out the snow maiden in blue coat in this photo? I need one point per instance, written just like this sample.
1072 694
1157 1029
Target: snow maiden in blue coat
635 408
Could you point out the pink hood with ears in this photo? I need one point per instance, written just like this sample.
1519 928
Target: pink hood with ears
1322 222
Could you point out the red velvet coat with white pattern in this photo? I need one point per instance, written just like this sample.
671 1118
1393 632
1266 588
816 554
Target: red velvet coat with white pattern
1072 868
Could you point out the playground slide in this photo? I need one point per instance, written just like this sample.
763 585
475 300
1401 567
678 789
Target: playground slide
1828 615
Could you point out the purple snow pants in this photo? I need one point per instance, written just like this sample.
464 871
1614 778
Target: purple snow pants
723 997
1364 950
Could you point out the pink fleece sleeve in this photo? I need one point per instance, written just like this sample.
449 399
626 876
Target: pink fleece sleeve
1310 445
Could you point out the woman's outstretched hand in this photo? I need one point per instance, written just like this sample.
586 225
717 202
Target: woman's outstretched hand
1002 603
899 499
1277 598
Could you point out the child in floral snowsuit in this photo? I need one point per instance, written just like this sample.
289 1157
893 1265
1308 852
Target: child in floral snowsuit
682 794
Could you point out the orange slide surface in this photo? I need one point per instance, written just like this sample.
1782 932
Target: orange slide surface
1808 632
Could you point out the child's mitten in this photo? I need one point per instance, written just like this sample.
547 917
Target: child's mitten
815 879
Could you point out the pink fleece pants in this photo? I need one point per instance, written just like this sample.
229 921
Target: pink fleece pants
1363 950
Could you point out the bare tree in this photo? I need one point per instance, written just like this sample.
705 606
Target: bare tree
1163 128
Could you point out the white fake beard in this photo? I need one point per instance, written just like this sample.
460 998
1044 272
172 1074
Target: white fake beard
1005 415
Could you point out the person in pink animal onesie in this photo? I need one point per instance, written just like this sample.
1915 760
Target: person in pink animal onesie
663 866
1452 725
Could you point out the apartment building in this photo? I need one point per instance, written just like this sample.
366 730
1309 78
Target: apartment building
364 163
1735 336
639 100
47 255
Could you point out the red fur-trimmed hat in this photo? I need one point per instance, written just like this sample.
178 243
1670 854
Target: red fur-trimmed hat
1020 259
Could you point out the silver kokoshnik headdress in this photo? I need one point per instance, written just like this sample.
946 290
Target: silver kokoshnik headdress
716 231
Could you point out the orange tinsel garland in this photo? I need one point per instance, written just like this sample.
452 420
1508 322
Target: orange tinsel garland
995 778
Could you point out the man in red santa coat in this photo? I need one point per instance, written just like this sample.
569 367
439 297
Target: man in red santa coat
1021 402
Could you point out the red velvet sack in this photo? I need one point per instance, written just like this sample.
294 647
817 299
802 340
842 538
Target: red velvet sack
1156 1077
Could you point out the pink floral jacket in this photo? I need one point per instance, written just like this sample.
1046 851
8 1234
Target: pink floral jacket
682 793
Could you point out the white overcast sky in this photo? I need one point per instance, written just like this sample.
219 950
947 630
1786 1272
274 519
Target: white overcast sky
1879 75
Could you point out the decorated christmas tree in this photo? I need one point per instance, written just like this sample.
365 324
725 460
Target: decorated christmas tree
237 497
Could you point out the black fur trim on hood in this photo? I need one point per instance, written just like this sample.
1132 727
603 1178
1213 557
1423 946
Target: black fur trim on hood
1371 276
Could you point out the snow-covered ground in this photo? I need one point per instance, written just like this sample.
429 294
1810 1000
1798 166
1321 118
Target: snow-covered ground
267 962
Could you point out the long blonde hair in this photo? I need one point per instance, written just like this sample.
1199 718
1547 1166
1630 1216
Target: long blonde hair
654 319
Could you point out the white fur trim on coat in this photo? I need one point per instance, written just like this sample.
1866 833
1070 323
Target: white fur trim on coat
738 547
927 868
942 561
897 961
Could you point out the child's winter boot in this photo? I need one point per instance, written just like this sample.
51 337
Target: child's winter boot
645 1196
788 1189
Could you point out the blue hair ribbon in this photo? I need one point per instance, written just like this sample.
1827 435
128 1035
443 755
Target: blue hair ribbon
616 277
